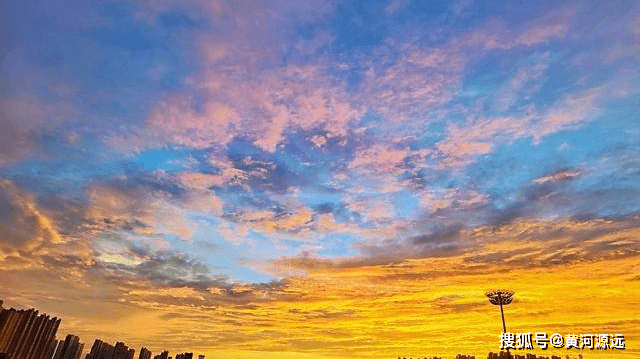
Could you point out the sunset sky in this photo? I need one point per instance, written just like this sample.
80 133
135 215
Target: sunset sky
321 179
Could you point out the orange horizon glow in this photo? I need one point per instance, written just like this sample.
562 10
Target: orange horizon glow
412 308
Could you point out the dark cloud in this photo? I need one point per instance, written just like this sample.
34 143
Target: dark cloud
145 183
559 193
537 243
439 236
169 269
272 172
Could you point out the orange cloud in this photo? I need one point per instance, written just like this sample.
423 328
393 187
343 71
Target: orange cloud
26 232
564 273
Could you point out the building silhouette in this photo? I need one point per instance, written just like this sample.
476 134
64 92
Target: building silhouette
25 334
144 353
70 348
51 349
102 350
121 351
501 355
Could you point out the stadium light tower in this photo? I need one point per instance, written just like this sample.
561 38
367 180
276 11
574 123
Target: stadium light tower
500 297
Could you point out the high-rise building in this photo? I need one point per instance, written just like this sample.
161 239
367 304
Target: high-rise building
201 356
100 350
163 355
58 352
144 353
71 348
80 348
24 334
51 349
120 351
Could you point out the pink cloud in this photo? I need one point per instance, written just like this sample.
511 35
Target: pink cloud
434 200
373 209
495 36
395 6
554 24
477 138
178 120
570 112
261 109
559 176
414 84
241 100
326 223
379 159
541 33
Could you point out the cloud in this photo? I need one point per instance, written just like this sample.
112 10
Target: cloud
235 99
267 221
463 199
561 175
413 85
168 269
555 24
379 159
523 85
494 35
264 105
464 143
261 107
518 244
396 306
373 210
142 209
25 230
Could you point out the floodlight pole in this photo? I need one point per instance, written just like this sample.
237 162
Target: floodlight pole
501 297
504 326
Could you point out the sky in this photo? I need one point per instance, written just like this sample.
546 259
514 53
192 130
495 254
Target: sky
315 179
